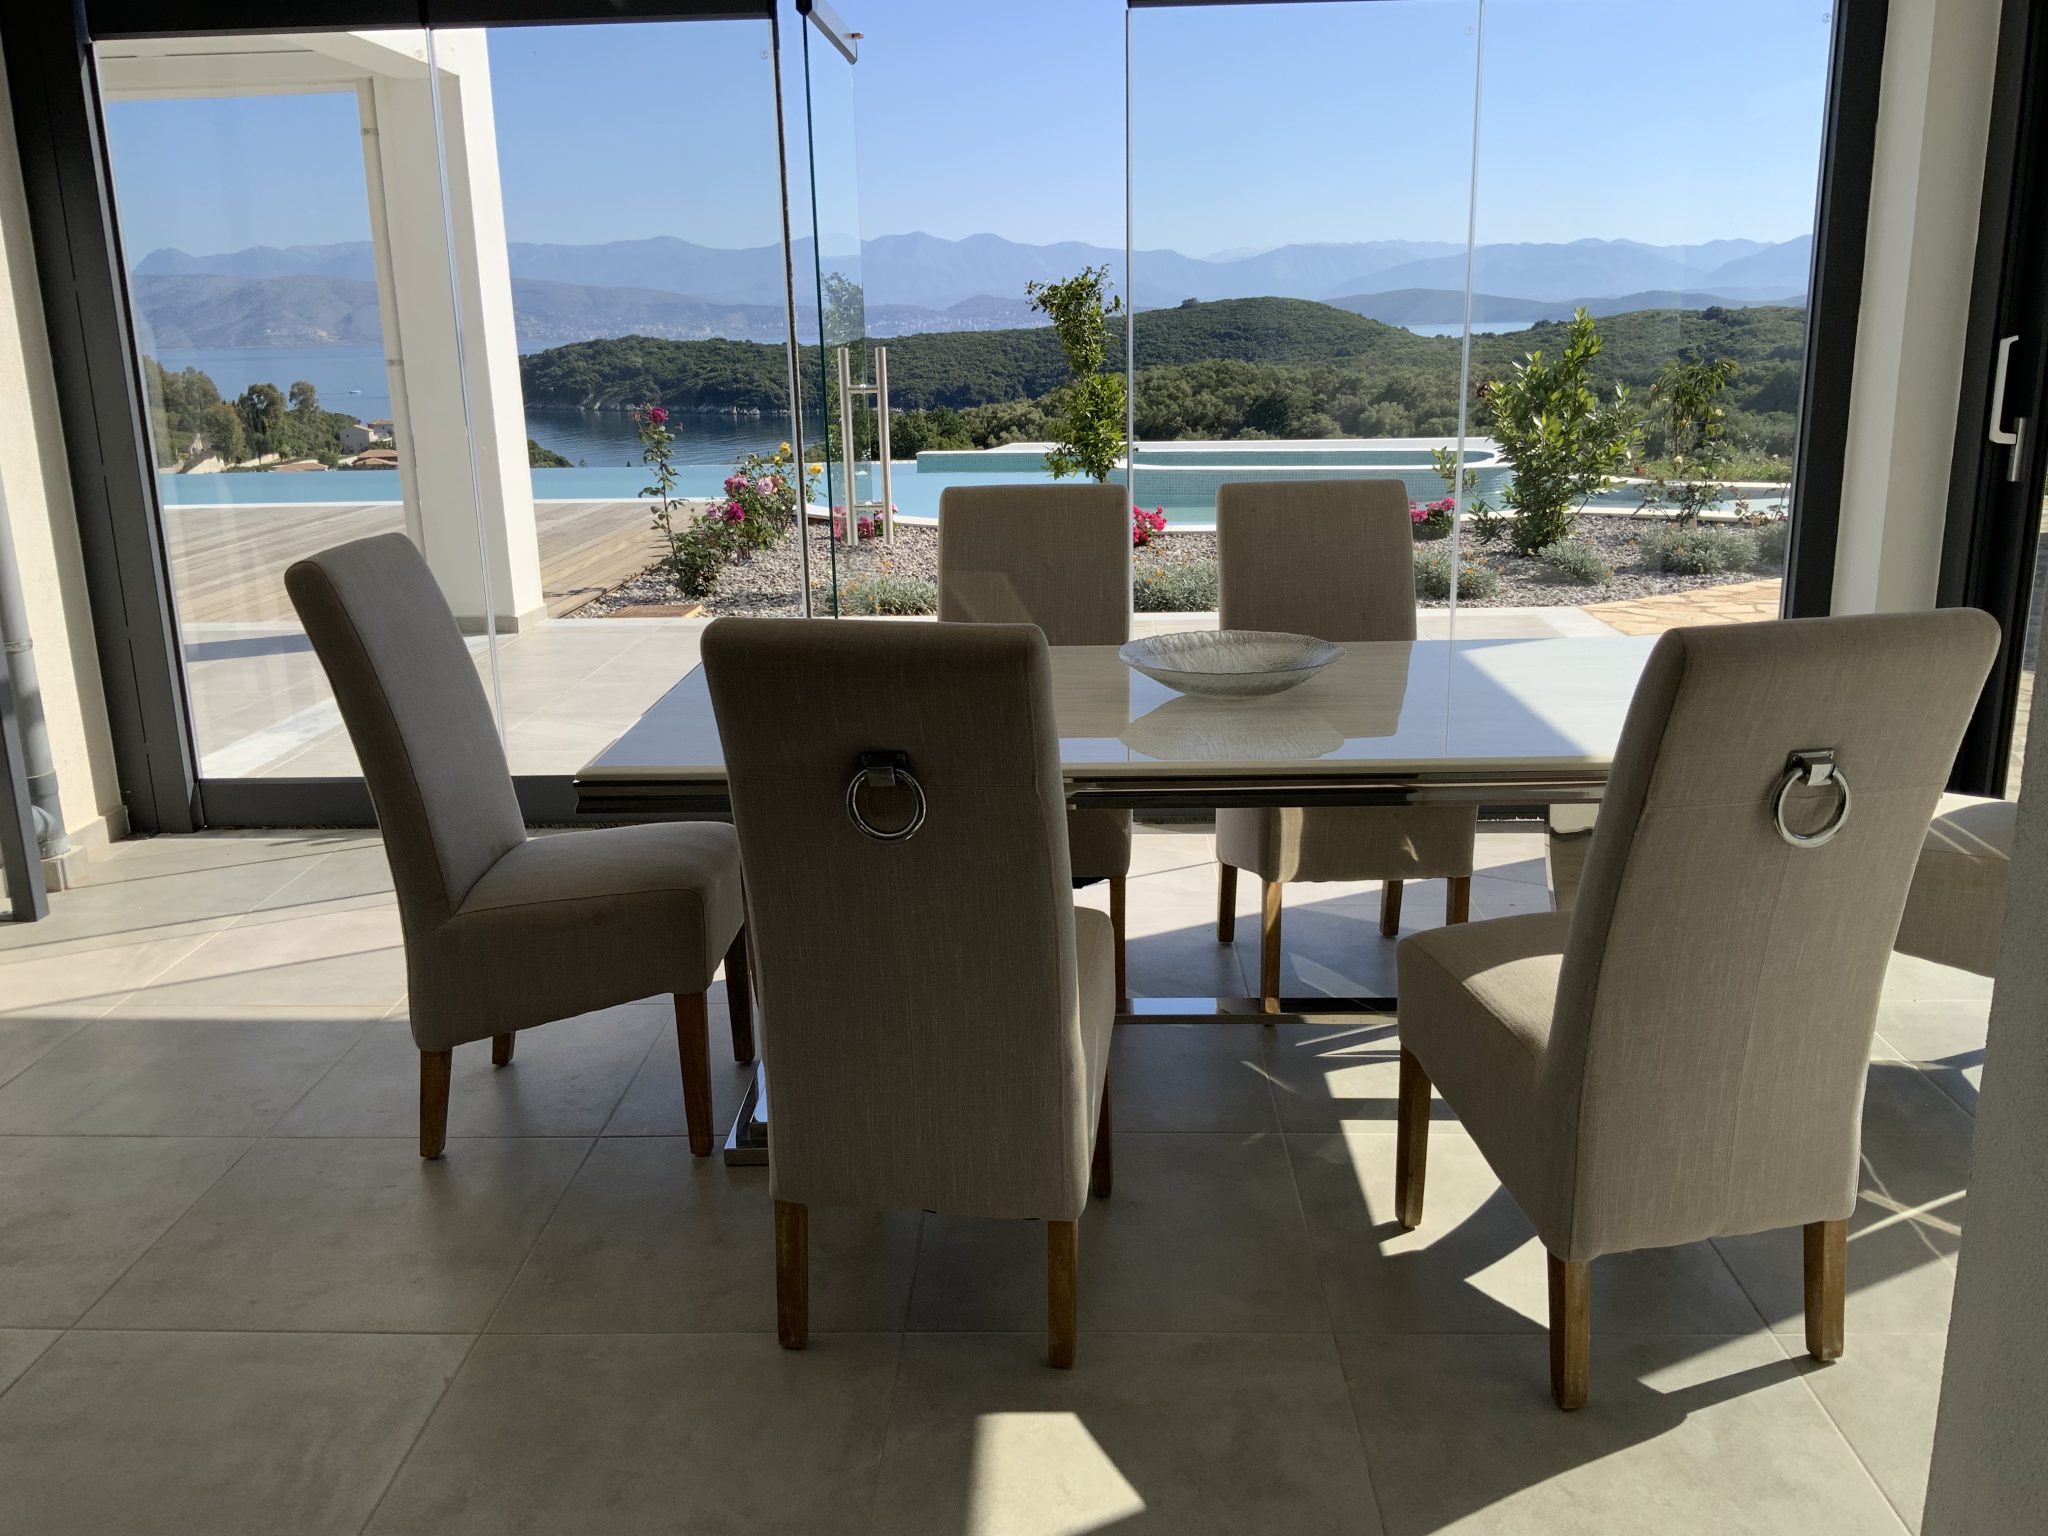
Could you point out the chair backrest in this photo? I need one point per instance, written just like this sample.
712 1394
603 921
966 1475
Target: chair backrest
415 709
1058 556
1719 986
920 1011
1329 558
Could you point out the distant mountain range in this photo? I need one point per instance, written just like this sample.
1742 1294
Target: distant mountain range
666 287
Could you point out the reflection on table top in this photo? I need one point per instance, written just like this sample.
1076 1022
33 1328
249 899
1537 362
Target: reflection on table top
1426 708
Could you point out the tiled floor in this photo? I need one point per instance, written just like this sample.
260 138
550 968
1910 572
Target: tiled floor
233 1299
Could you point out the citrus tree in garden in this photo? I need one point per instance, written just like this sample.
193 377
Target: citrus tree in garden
1686 411
1089 412
1564 441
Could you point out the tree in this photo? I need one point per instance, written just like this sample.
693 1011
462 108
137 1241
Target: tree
1686 410
1563 440
261 407
1091 410
304 398
220 426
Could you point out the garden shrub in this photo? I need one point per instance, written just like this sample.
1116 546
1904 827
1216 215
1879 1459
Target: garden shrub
1574 560
1433 576
1699 551
888 596
1772 540
1176 589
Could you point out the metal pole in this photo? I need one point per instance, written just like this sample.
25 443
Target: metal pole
31 753
882 441
796 399
28 899
846 443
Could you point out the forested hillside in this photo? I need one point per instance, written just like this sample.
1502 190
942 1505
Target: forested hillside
1228 369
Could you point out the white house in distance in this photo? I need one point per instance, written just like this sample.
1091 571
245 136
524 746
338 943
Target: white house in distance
355 437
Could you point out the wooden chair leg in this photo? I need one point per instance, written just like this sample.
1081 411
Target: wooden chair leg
1827 1273
1062 1292
693 1045
1226 903
1269 945
1116 929
1461 899
1390 909
1102 1171
501 1050
739 998
792 1273
1571 1331
434 1069
1411 1143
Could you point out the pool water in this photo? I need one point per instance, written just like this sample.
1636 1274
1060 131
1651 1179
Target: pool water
1181 479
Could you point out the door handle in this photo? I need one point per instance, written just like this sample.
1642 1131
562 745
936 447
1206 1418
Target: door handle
1998 433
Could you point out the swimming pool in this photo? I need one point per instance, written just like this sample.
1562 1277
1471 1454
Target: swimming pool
1180 477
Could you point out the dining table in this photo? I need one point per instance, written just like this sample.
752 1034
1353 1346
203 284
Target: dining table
1514 725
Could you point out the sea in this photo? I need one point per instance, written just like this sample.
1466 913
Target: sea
353 379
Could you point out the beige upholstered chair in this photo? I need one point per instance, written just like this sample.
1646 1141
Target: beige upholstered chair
1058 556
1334 559
503 932
1682 1056
935 1011
1956 908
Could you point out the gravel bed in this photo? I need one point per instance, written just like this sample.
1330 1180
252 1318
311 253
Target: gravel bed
766 583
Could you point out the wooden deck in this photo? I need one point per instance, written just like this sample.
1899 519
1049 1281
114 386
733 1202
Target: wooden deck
228 563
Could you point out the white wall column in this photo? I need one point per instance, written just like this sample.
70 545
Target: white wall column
428 363
1926 184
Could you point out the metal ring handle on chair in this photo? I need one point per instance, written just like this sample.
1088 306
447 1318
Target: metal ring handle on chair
1797 774
901 834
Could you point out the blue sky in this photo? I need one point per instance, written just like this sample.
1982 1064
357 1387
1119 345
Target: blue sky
1656 120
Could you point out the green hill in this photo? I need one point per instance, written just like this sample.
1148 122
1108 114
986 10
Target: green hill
1228 368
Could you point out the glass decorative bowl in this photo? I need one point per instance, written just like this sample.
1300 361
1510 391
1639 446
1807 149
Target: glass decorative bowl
1229 663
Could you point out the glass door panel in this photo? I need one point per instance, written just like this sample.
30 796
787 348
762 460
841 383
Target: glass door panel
1299 273
1680 219
843 433
633 292
299 360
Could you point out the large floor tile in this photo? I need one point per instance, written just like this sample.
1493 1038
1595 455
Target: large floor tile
1190 1077
353 958
28 1037
1474 1266
206 1434
90 975
1203 1234
649 1239
349 1235
651 1434
19 1348
652 1104
1196 1435
75 1211
1882 1395
1944 1038
1907 1225
1329 1077
151 1071
1680 1434
565 1079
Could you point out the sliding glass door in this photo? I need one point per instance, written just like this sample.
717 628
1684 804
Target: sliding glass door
439 282
1544 262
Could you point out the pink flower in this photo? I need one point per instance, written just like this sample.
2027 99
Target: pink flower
765 486
734 512
656 414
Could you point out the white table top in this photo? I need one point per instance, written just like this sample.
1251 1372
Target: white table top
1444 711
